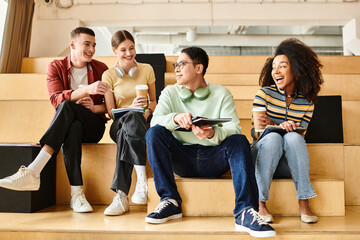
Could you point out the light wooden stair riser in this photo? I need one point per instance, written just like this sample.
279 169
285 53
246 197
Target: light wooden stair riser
23 87
29 124
27 120
98 164
352 176
254 64
217 64
245 89
243 86
215 197
27 92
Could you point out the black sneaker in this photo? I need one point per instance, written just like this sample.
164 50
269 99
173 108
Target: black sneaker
250 221
164 212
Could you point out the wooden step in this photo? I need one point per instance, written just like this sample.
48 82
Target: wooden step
254 64
228 79
217 64
17 91
60 222
25 121
352 176
345 85
23 87
243 86
351 116
98 164
215 197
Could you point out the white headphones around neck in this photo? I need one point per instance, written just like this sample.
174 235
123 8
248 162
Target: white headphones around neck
133 72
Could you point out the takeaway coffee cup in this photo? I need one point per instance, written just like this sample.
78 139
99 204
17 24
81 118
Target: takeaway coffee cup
142 90
256 111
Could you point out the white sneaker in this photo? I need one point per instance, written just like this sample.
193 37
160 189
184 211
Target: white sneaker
23 180
141 193
79 203
119 205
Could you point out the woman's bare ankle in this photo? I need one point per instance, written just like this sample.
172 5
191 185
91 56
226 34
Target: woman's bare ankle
262 208
304 207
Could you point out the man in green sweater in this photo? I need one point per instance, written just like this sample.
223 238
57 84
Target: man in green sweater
203 151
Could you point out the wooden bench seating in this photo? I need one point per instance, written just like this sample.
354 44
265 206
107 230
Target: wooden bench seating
334 163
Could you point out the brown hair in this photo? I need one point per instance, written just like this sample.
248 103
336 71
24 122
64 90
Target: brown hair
77 31
304 65
121 36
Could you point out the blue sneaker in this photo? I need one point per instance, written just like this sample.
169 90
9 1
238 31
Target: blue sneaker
250 221
164 212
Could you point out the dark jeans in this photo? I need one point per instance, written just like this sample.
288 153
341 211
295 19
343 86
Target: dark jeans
167 155
129 134
72 125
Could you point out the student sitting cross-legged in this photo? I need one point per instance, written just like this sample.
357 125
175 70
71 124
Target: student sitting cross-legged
79 117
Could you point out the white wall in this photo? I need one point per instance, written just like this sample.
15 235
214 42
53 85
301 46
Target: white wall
51 37
52 24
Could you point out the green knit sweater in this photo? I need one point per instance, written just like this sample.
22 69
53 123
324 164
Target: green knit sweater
219 104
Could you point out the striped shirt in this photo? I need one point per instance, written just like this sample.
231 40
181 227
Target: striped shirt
274 100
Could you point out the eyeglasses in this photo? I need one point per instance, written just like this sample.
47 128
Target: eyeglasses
181 64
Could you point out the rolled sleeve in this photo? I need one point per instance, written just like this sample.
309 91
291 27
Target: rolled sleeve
56 89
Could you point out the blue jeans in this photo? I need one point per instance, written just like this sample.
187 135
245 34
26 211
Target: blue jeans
168 155
272 152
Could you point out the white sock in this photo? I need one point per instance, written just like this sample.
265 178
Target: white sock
173 201
140 172
39 162
75 189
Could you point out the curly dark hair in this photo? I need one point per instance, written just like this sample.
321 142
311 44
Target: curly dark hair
305 66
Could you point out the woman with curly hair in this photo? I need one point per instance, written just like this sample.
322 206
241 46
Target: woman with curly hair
290 84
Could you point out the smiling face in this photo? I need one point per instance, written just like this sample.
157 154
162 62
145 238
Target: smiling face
186 72
282 74
82 49
126 53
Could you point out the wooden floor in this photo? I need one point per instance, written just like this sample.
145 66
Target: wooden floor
60 222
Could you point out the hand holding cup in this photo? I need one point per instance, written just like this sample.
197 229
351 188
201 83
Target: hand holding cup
260 118
141 95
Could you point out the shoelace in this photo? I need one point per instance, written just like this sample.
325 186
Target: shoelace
161 206
256 216
81 197
141 186
118 200
20 174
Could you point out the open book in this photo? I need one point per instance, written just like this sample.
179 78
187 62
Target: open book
203 121
280 130
119 112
